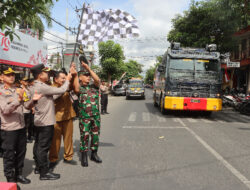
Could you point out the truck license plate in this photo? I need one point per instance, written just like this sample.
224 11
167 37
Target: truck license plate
195 101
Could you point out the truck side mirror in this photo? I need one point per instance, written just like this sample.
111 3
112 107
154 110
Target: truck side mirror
161 68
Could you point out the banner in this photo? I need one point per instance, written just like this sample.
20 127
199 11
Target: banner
26 52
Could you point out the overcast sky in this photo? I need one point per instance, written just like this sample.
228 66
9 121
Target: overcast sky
153 16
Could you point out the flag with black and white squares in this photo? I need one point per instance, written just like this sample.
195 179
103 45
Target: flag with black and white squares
106 25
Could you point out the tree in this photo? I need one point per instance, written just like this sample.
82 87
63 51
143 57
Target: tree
149 78
19 11
133 69
111 58
210 21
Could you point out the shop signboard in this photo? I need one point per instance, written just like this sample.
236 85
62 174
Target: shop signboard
24 52
231 64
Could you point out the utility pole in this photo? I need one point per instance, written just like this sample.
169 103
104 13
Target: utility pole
76 43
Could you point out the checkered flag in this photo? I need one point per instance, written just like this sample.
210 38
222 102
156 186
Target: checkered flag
105 25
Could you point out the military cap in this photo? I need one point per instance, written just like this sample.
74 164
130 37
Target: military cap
8 70
39 68
84 72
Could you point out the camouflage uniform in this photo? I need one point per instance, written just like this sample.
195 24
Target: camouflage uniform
89 117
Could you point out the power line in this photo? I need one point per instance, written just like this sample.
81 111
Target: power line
60 24
55 35
53 41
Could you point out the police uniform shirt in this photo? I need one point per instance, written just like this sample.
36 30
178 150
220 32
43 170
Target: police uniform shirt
45 108
11 110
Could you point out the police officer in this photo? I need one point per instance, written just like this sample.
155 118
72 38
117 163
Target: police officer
89 114
13 132
44 119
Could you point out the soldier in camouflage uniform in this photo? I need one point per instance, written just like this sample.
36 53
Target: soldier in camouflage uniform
89 114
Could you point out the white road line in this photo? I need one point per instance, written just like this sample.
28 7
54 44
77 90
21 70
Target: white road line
191 120
181 122
146 116
132 116
206 120
161 119
233 170
151 127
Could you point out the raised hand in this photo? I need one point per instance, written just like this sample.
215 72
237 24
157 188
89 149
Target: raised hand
20 93
69 77
73 69
85 66
36 96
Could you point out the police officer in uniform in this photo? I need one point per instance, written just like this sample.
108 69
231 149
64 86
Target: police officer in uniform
44 119
89 114
13 129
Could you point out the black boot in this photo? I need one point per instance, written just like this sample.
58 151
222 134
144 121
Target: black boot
102 112
94 157
20 178
84 160
45 174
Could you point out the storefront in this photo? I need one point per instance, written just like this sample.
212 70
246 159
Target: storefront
239 76
22 54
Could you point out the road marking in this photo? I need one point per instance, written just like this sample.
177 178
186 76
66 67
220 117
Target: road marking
146 116
151 127
206 120
191 120
161 119
233 170
132 116
181 122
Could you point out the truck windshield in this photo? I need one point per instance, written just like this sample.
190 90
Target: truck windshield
194 69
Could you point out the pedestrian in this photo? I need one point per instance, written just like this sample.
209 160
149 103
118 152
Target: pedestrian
89 114
104 88
44 119
27 112
13 132
64 119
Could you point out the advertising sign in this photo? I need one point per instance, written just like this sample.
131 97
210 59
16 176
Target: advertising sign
25 52
233 64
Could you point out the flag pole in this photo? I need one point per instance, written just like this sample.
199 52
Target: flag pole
79 27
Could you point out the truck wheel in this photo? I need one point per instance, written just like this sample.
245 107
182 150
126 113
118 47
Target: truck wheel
162 109
155 104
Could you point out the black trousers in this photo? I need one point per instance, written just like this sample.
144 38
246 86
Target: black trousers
14 146
43 140
29 124
104 102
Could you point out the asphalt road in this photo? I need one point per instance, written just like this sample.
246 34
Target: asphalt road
142 149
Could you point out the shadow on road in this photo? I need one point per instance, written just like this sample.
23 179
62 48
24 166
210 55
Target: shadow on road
28 167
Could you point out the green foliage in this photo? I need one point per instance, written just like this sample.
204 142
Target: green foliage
111 59
20 11
133 69
149 78
210 21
